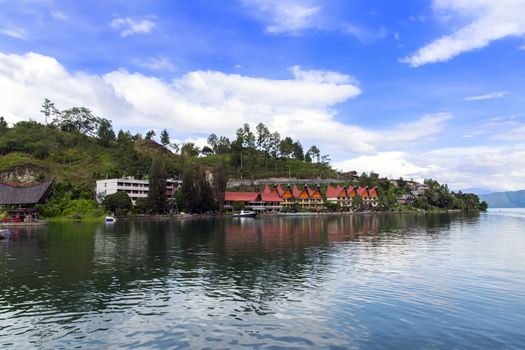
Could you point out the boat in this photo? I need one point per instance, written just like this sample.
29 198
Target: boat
245 214
109 219
3 234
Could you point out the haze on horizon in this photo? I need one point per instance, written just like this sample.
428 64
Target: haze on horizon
416 89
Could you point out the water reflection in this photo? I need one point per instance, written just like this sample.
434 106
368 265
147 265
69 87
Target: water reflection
70 280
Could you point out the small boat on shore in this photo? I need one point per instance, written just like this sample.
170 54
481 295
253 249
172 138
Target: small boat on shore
245 214
109 219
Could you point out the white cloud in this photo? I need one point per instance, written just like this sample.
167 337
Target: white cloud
390 164
59 15
286 16
489 96
492 168
14 32
488 20
322 76
157 64
201 102
129 26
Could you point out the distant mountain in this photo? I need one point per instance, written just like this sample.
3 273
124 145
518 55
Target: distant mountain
510 199
477 190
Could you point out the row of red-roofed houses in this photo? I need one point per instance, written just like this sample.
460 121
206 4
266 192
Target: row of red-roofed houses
344 196
307 198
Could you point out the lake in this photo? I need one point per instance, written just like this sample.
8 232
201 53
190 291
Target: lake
401 281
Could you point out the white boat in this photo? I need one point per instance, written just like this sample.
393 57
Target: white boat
109 219
245 214
3 234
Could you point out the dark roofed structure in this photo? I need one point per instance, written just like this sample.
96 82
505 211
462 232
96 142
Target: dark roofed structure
24 196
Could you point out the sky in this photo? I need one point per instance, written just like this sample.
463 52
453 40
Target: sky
416 88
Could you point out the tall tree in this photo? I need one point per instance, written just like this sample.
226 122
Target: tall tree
315 153
297 150
157 187
164 138
196 193
149 135
105 133
189 150
213 141
3 124
263 136
49 109
220 180
286 147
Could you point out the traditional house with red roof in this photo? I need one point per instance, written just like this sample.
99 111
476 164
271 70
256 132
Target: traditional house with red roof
256 201
288 196
266 189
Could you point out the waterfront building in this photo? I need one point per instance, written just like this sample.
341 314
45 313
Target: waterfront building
19 200
256 201
135 188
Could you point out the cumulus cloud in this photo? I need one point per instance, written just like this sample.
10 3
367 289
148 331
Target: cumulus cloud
129 26
487 21
492 168
286 16
489 96
201 102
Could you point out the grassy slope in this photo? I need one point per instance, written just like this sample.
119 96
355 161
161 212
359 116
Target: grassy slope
81 160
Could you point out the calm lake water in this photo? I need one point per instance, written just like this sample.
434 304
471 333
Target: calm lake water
382 281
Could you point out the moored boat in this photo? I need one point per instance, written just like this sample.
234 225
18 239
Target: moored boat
245 214
109 219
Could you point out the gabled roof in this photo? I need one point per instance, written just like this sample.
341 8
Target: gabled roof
266 189
241 196
362 191
279 190
373 192
316 193
287 192
271 197
351 192
295 191
305 192
333 192
24 194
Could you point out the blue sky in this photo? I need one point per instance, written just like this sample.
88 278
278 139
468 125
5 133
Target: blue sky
407 88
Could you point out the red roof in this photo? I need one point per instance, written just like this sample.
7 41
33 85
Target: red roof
271 197
295 191
266 189
333 192
279 190
240 196
361 191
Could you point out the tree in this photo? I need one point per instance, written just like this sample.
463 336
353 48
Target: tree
49 109
164 138
315 153
357 202
307 157
157 187
206 150
79 119
149 135
274 144
213 141
105 133
223 145
263 136
189 149
220 180
3 124
118 203
297 150
196 193
286 147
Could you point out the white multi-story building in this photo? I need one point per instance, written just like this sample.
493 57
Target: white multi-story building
134 188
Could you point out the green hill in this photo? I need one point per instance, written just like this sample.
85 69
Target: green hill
31 151
510 199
